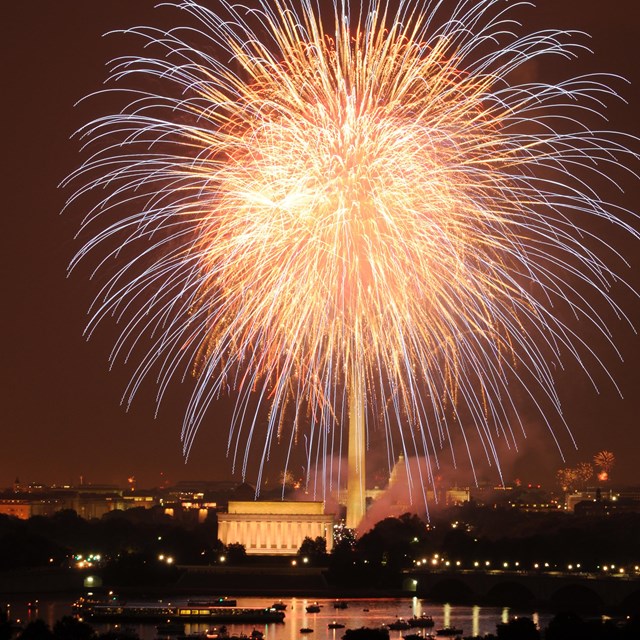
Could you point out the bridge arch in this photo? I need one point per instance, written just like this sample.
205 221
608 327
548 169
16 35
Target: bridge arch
576 597
452 590
632 602
510 594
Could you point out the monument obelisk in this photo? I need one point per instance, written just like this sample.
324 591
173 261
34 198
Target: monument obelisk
356 504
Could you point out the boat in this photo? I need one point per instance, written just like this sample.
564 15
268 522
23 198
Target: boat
399 625
340 604
159 612
256 634
313 608
367 633
449 631
306 630
222 633
422 621
214 602
335 625
279 606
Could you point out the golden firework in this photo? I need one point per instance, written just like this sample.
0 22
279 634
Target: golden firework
316 200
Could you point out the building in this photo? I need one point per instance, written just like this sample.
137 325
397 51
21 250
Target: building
602 507
591 494
274 528
16 508
88 501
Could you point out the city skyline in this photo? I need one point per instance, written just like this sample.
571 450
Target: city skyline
64 418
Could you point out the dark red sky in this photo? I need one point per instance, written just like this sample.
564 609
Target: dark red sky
61 415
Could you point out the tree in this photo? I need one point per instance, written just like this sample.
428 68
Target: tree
314 550
518 629
236 553
70 628
366 633
395 542
565 626
134 569
36 630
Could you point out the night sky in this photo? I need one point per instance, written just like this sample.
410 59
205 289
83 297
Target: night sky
62 418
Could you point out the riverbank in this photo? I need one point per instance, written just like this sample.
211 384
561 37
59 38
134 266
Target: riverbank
41 581
550 592
251 580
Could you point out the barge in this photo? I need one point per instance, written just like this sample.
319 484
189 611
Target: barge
164 612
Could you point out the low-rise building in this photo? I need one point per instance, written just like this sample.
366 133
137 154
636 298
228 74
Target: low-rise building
274 528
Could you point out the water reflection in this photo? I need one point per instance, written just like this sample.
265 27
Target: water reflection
473 620
447 615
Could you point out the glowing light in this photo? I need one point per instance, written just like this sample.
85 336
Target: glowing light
604 460
369 194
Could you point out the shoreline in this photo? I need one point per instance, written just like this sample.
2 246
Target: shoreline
193 580
278 582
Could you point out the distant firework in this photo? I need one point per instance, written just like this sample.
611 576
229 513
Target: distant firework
604 460
378 193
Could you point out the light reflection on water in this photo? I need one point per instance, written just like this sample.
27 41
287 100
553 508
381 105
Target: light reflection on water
473 620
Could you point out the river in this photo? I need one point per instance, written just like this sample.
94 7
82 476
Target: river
473 620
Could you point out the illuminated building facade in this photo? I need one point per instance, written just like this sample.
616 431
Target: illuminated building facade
15 508
90 501
274 528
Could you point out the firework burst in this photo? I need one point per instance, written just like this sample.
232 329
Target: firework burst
604 460
362 196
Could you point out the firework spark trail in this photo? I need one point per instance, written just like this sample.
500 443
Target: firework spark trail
378 195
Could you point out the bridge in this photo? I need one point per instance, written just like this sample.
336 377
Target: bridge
571 591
